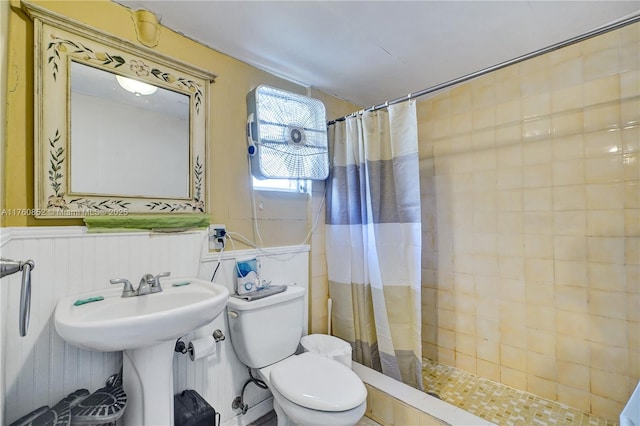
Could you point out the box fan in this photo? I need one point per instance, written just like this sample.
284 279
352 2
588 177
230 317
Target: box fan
287 135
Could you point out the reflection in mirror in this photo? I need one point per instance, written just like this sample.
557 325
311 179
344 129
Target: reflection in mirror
125 142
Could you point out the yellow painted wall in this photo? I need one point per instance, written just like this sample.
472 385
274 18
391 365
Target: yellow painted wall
4 36
530 180
284 218
4 41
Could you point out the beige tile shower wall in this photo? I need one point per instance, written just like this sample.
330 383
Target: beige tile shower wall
531 224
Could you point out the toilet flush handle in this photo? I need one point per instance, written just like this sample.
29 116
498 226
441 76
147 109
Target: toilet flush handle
232 314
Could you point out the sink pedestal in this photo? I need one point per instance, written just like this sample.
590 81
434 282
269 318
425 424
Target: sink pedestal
148 381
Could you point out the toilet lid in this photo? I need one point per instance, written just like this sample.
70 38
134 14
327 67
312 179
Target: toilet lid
318 383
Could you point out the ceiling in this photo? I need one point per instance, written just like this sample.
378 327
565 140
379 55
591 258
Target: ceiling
368 52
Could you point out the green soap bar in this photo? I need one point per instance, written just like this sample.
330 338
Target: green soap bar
89 300
181 283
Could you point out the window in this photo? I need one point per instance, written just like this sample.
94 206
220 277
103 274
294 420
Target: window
287 185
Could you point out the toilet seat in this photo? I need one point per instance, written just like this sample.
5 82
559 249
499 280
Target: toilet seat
317 383
291 414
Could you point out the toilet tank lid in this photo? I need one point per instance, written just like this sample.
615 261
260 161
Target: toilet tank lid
292 292
318 383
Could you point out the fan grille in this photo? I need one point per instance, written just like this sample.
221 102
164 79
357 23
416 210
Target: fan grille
292 135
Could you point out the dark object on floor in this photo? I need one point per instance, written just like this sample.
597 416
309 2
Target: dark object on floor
104 406
28 420
191 409
115 379
44 416
433 394
59 415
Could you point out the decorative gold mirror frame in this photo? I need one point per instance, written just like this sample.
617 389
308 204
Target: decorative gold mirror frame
57 41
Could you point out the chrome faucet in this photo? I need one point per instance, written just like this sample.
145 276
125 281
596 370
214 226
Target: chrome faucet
148 284
128 290
156 287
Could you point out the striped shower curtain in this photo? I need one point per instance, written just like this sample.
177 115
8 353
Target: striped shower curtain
373 239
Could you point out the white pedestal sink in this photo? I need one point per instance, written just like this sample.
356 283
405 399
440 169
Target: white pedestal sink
145 328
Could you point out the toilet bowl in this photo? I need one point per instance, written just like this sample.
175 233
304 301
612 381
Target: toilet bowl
308 389
313 390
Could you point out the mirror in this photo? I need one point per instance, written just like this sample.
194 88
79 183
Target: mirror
145 135
104 146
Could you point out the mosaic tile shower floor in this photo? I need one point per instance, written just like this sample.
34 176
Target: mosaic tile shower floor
498 403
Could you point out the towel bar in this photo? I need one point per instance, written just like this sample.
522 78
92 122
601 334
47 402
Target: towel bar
8 267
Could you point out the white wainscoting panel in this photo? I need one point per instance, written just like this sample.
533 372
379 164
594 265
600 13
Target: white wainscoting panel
40 369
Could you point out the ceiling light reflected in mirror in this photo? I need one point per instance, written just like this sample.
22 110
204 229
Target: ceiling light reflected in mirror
136 87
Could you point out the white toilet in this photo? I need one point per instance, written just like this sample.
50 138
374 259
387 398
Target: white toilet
308 389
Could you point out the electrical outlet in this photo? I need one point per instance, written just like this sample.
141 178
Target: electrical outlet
217 235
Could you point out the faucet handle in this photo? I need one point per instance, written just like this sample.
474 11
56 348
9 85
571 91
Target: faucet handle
128 290
156 287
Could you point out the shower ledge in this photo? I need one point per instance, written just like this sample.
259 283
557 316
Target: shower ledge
417 399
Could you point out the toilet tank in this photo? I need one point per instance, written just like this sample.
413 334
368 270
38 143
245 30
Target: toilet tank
266 330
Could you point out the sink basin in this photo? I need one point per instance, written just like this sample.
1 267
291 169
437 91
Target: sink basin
120 323
145 329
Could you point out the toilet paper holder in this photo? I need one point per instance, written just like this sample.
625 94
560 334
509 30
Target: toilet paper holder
181 346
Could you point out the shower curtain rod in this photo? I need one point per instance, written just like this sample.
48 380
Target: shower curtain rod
630 19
